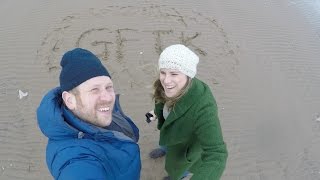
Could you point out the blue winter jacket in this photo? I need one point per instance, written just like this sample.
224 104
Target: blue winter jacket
79 150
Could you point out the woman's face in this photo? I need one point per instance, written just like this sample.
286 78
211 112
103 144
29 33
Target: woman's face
172 81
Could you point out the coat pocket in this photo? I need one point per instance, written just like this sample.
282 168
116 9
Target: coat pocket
187 155
192 153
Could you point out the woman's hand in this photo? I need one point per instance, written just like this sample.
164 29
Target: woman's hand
150 116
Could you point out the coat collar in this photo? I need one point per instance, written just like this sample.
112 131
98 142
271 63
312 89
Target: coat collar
186 101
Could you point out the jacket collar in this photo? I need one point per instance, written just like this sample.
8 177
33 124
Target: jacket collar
78 124
56 121
88 130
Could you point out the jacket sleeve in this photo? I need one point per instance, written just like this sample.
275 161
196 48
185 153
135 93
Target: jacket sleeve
209 135
76 162
82 169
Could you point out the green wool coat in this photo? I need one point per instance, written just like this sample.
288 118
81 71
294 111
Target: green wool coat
192 135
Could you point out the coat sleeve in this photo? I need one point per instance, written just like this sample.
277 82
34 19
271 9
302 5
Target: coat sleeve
209 135
158 112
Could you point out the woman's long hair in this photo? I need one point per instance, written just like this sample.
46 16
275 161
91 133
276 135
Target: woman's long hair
160 97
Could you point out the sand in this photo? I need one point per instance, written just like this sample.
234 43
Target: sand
261 60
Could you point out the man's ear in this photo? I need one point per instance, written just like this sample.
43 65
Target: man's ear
69 100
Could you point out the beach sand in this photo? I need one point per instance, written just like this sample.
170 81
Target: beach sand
261 60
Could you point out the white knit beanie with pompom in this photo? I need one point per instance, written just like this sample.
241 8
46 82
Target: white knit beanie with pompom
181 58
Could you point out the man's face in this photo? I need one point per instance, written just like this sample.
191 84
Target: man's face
95 101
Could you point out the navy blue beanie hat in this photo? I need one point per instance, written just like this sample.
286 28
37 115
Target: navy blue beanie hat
79 65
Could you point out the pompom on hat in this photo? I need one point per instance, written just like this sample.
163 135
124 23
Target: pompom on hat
181 58
79 65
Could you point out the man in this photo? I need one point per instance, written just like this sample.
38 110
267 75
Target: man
89 137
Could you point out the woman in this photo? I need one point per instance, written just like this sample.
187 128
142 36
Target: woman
190 132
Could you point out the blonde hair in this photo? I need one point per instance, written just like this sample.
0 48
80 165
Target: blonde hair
160 97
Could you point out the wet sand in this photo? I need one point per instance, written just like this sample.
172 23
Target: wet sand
261 61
